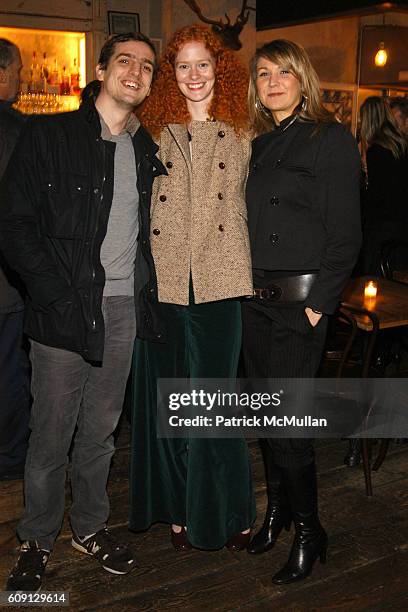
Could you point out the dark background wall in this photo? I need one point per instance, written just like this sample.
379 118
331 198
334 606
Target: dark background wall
274 13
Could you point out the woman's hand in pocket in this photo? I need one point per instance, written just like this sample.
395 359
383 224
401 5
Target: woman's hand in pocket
313 317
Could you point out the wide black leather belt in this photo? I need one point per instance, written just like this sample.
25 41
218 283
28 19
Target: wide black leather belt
290 289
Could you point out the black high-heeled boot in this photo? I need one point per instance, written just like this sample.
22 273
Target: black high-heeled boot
277 513
310 538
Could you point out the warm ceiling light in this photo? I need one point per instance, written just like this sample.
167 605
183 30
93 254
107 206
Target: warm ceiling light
381 56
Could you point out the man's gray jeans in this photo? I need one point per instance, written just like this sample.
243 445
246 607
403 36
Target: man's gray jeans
70 393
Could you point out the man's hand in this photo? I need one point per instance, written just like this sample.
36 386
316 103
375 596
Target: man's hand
313 317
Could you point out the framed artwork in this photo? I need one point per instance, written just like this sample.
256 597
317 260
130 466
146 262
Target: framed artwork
340 100
158 45
121 23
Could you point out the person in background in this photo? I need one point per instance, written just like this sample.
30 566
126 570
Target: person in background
399 108
14 370
197 112
384 150
75 199
302 196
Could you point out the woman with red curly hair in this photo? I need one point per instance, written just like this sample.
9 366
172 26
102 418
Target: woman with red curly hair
197 113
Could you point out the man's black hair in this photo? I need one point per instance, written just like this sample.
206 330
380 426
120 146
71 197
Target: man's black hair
108 48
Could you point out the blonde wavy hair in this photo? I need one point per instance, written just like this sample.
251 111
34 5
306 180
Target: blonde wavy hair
378 126
294 58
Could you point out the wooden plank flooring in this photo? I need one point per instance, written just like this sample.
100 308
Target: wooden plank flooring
367 568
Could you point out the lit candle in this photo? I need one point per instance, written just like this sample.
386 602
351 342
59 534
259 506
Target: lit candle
370 289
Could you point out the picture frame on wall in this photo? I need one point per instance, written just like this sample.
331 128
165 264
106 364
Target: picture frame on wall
121 23
158 45
341 100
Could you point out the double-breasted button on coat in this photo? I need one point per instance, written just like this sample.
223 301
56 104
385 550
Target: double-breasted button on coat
202 220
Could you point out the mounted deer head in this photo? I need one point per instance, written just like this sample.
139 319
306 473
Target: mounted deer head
229 33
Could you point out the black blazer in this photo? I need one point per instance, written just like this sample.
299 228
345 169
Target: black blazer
386 198
303 205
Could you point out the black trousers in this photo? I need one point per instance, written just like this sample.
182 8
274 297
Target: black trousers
279 341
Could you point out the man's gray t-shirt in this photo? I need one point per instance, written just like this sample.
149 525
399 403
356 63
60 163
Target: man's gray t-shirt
118 249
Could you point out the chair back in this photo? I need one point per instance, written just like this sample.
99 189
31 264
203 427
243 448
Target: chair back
394 258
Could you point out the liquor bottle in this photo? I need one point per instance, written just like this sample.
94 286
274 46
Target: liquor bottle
75 89
45 69
42 82
34 84
30 82
64 85
55 77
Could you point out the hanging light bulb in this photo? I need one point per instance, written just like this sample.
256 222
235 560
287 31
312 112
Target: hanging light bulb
381 56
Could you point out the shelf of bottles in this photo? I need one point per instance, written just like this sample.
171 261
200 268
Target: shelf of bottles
45 103
53 72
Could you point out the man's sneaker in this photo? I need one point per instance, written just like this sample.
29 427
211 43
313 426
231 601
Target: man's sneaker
27 573
115 557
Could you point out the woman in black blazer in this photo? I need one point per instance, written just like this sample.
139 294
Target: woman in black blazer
304 226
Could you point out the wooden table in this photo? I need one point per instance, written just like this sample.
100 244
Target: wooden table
400 275
389 309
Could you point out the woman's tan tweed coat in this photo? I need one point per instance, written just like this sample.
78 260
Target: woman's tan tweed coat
199 217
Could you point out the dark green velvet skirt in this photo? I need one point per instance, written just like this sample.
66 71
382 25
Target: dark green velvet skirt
204 484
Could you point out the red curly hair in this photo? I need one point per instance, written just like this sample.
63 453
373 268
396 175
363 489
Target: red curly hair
166 104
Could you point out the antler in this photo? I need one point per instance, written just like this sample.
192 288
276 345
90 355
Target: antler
242 18
196 9
229 33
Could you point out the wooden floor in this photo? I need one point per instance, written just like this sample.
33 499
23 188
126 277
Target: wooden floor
367 568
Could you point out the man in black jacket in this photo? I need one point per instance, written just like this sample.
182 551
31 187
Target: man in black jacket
75 221
14 379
